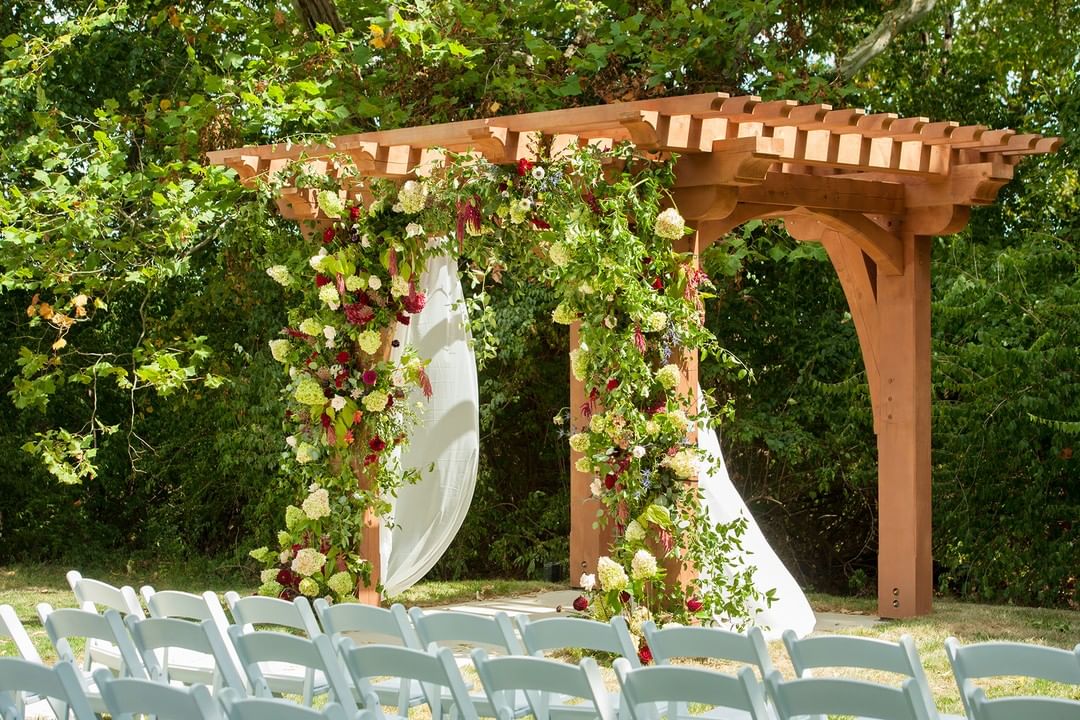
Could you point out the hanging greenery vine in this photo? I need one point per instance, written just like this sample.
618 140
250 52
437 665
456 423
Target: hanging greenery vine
592 225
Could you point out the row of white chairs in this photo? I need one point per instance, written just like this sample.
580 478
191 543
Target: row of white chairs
160 649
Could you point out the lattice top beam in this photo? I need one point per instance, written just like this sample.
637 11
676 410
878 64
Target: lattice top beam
725 143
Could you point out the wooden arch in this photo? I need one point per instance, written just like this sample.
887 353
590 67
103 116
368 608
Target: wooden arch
873 189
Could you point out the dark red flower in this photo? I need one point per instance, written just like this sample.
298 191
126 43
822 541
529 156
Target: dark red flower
321 280
324 544
403 318
425 382
540 224
624 597
414 302
340 564
287 577
356 417
328 393
524 166
586 409
639 339
339 381
328 235
377 444
581 603
594 395
656 407
288 594
354 212
658 284
343 357
468 214
590 200
371 458
370 377
646 261
325 419
645 654
358 314
609 480
612 384
693 605
389 401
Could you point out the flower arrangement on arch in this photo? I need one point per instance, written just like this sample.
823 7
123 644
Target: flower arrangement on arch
349 392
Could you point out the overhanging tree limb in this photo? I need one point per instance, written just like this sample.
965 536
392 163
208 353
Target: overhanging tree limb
317 12
895 22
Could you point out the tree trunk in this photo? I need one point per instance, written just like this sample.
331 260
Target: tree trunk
895 22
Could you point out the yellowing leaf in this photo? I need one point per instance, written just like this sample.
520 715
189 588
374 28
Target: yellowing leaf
59 344
378 36
165 103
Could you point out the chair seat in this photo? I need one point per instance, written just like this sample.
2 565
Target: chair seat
39 709
560 708
286 677
389 692
188 666
483 705
104 653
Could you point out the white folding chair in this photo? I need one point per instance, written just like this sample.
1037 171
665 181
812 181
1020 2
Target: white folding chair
315 656
460 630
846 651
128 698
185 651
98 596
370 624
539 679
434 673
991 659
680 641
238 707
66 623
837 696
61 685
731 696
12 628
563 633
253 612
1018 708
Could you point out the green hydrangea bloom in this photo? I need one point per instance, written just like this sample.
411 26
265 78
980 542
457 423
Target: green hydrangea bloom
309 392
309 587
341 583
270 589
293 516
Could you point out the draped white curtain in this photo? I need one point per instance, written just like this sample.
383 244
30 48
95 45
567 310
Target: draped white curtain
723 504
445 444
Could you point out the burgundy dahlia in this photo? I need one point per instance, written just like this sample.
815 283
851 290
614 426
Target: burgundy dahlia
328 235
321 280
358 314
645 655
693 605
377 444
370 377
343 357
414 302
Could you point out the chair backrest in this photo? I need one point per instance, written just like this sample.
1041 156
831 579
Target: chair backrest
238 707
992 659
61 684
175 604
102 595
127 698
11 627
558 633
71 623
540 678
433 670
679 641
153 634
1012 708
492 632
257 610
373 624
835 696
315 654
642 688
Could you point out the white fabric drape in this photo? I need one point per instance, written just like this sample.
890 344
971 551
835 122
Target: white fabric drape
723 504
427 515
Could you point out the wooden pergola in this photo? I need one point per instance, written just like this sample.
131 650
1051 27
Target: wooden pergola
873 189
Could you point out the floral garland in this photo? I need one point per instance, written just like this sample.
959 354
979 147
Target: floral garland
593 226
348 410
590 223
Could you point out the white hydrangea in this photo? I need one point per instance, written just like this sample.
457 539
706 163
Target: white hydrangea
668 376
634 532
399 286
268 575
683 463
305 453
579 363
596 487
308 562
412 197
311 327
654 322
317 504
329 295
579 442
279 349
559 254
315 261
280 275
612 575
414 230
643 566
670 224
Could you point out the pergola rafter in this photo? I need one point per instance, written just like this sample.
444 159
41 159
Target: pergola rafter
871 188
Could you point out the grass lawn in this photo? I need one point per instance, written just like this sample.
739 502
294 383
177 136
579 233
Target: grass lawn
24 586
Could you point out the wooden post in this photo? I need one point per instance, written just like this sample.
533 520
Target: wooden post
587 543
905 562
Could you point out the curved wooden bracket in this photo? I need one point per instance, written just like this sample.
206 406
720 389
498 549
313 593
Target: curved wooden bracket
706 203
876 238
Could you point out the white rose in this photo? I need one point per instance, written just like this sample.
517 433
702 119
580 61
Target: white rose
587 582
